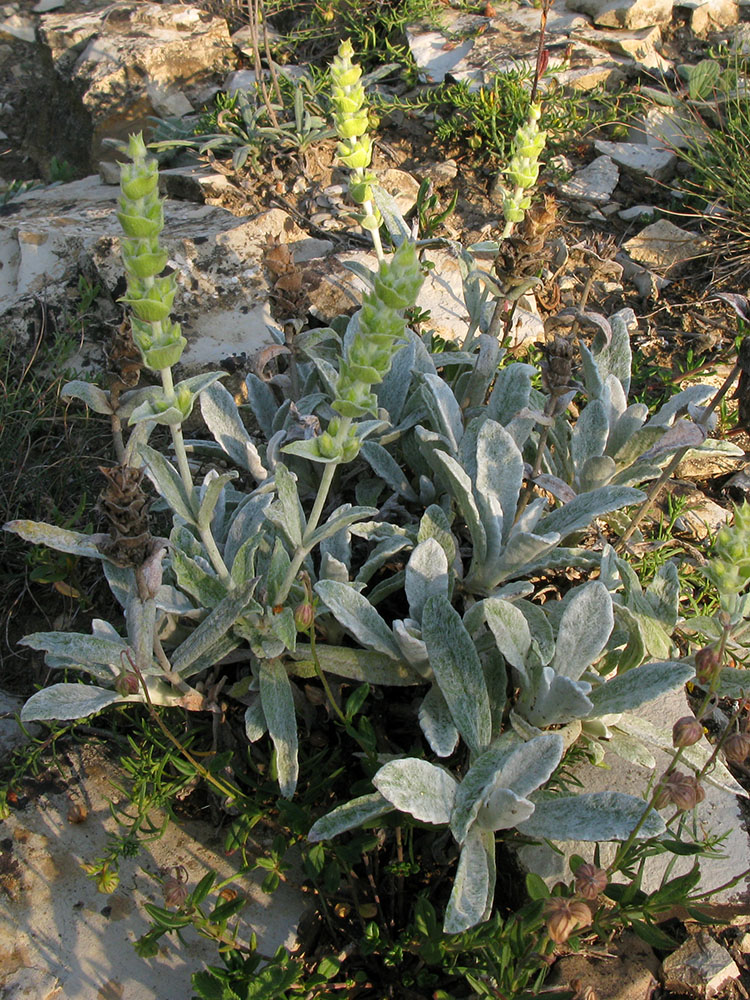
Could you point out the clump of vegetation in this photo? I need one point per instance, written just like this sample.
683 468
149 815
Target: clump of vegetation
378 564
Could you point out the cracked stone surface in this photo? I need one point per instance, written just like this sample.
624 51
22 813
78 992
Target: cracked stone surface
61 939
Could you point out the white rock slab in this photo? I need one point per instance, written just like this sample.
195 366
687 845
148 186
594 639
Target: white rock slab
664 247
223 295
640 46
638 159
720 812
632 14
58 932
435 61
699 967
340 291
594 183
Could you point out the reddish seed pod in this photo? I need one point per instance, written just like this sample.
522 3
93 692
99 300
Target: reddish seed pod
707 664
686 731
737 747
304 616
565 916
590 881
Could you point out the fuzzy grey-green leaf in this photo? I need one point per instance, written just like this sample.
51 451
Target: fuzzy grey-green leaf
457 669
348 816
418 788
591 816
278 709
68 701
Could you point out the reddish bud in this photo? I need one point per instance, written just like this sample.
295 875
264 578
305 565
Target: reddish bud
304 616
174 891
127 683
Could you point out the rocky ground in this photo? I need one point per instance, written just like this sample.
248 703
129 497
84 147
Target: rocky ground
254 250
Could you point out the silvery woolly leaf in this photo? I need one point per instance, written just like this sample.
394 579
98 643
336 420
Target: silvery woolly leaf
435 524
255 721
90 652
60 539
413 650
458 672
639 685
213 628
445 410
521 550
683 434
245 522
393 391
68 701
349 816
278 709
582 511
358 616
663 594
94 397
167 481
477 782
436 723
426 575
423 790
591 816
286 512
340 518
554 700
223 420
387 468
679 404
597 472
510 629
585 627
630 749
499 471
398 230
262 402
615 358
365 665
211 494
460 487
380 555
503 809
589 436
733 683
474 885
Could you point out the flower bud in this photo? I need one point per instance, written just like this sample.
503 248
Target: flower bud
565 916
590 881
737 747
686 731
707 664
304 616
127 683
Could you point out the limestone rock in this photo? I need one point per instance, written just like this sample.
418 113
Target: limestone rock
594 183
664 246
401 185
639 160
108 71
11 734
640 46
19 27
631 14
54 919
710 15
700 966
628 971
223 300
639 212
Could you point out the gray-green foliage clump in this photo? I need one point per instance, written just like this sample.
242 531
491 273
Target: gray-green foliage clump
383 456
